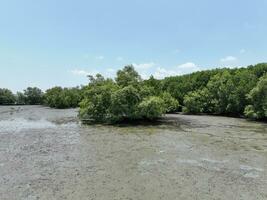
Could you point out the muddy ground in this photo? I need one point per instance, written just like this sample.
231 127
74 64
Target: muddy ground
48 154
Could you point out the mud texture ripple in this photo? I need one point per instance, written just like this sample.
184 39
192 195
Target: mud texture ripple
47 154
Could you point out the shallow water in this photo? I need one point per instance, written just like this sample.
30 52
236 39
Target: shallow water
48 154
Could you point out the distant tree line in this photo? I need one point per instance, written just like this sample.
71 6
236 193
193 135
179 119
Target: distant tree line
224 91
30 96
234 92
56 97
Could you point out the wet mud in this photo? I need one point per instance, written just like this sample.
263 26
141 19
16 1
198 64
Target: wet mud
47 154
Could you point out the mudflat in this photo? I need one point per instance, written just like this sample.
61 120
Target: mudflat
48 154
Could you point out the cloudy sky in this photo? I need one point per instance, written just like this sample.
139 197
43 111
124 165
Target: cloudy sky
58 42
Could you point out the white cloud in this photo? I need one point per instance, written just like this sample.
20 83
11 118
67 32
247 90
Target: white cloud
185 68
144 69
144 65
188 65
79 72
119 58
100 57
161 73
109 73
228 59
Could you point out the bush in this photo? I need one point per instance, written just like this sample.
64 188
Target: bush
250 112
6 97
198 102
151 108
21 98
126 99
219 91
124 103
58 97
171 104
97 103
128 76
32 96
258 98
225 93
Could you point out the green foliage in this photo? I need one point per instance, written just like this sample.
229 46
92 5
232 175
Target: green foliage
58 97
21 98
151 108
240 82
6 97
258 98
251 113
97 100
258 70
146 91
198 102
171 104
243 81
124 103
225 92
179 86
128 98
127 76
32 96
221 91
155 85
221 88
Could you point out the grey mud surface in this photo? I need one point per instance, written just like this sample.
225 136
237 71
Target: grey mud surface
48 154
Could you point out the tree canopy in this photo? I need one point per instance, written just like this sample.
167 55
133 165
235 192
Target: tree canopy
222 91
126 98
6 97
229 92
258 99
33 96
58 97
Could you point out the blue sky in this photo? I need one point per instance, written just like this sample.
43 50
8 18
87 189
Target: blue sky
57 42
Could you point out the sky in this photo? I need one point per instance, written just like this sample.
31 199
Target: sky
58 42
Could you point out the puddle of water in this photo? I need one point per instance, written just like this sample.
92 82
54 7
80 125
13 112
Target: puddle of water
217 165
249 168
214 161
189 162
251 175
18 125
250 172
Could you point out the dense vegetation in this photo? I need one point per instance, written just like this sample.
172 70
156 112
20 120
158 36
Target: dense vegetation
58 97
6 97
229 92
235 92
30 96
258 100
127 97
